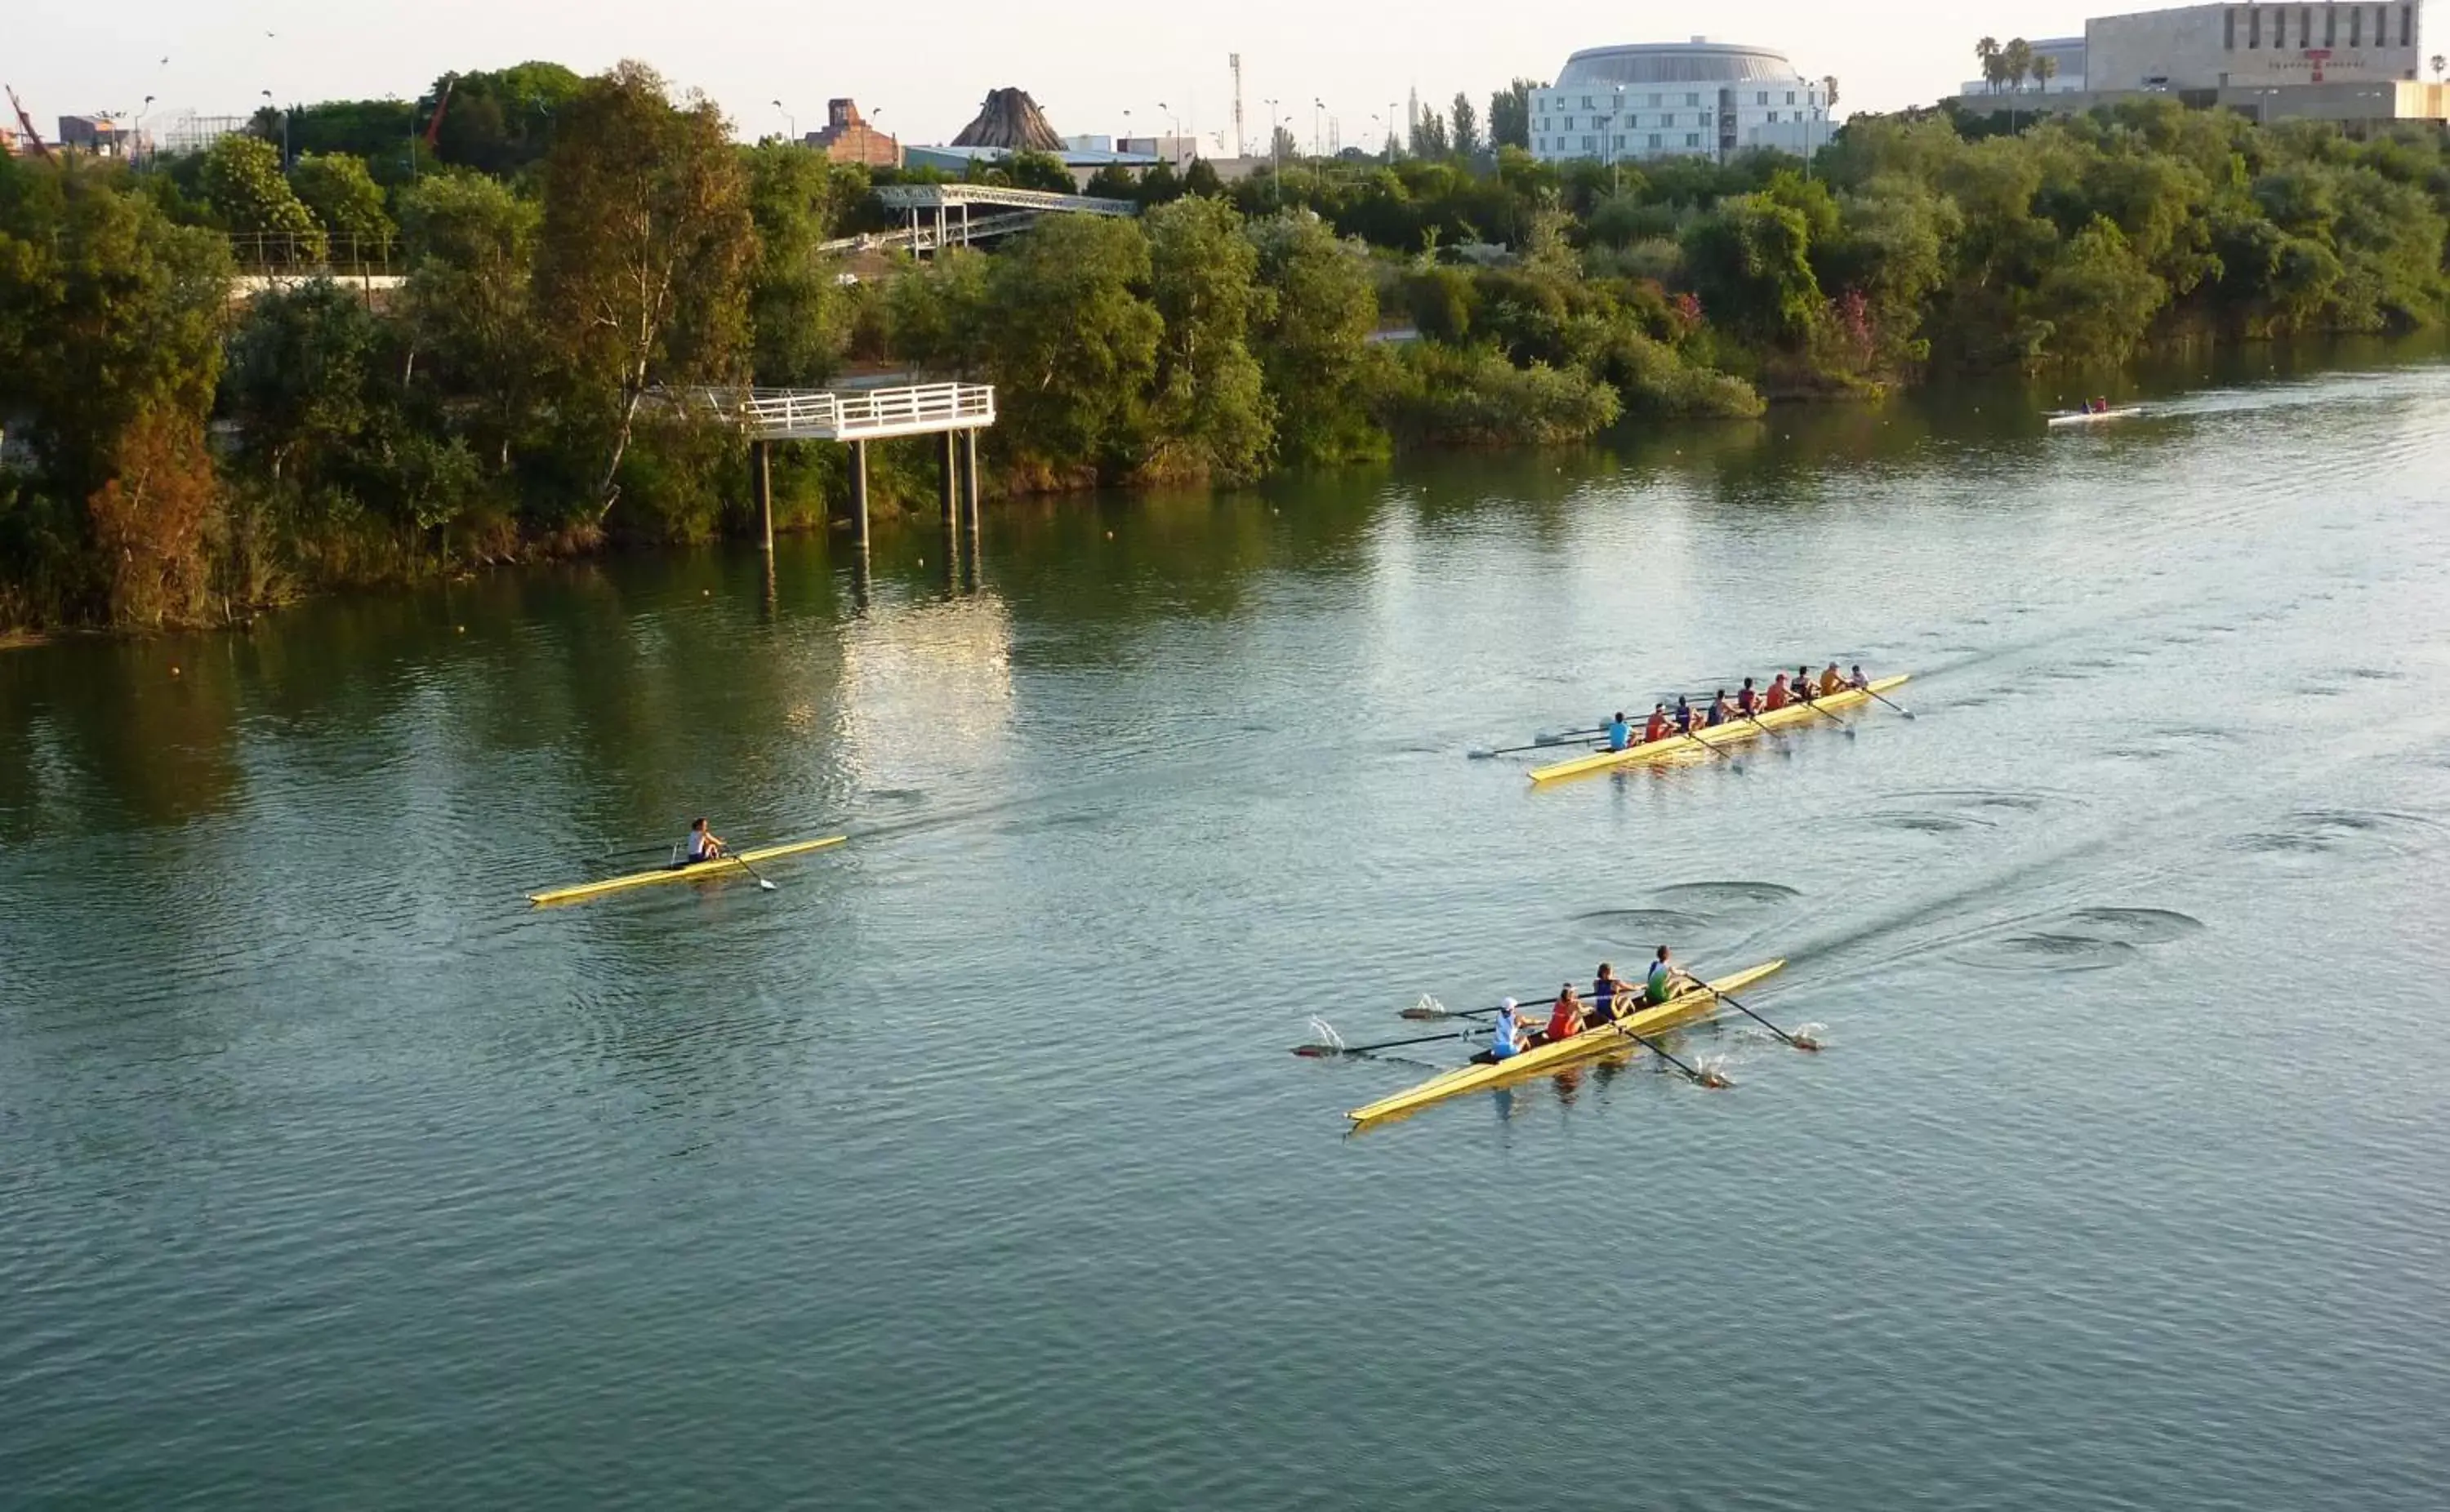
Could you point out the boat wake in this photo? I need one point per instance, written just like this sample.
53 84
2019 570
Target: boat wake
1326 1033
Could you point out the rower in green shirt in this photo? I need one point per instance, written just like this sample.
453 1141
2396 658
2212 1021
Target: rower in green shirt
1660 985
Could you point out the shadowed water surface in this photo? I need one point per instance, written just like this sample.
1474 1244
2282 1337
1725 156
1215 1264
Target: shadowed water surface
968 1168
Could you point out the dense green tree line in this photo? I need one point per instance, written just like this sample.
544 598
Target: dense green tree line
578 249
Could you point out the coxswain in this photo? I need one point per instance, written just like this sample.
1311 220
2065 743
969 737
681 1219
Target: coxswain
1565 1019
1858 681
1832 680
1604 988
1619 734
1778 697
1660 985
704 844
1656 729
1505 1038
1746 699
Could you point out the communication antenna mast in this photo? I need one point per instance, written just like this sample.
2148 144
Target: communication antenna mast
1236 59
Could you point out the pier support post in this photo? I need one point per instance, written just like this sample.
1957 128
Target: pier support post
970 492
859 498
950 492
765 493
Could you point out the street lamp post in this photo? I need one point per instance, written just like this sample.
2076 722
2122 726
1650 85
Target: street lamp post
285 128
1616 181
791 122
142 111
1276 149
1316 104
1172 137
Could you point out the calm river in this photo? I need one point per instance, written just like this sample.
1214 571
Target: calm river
969 1168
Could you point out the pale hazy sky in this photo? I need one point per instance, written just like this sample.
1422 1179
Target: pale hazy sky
925 66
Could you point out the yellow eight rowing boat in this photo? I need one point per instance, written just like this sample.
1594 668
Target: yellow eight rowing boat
702 871
1726 734
1685 1007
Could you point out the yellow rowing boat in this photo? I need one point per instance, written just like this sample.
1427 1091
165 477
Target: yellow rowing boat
699 871
1726 734
1685 1007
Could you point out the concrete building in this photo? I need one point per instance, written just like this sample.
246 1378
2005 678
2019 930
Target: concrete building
2222 46
2066 66
1681 99
1083 162
2355 64
849 139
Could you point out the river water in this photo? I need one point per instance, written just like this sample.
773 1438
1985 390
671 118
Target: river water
969 1167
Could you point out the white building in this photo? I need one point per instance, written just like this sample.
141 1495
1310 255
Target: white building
1676 99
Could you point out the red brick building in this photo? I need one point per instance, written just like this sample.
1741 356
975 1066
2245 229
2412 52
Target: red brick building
849 139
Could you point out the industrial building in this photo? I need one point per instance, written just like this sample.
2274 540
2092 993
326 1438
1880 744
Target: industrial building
2357 64
1676 99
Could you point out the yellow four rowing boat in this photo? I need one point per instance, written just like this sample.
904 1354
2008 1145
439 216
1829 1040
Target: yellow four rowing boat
704 870
1727 734
1683 1008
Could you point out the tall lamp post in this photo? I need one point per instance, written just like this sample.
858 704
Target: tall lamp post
1316 104
1616 181
143 110
1173 136
284 129
790 122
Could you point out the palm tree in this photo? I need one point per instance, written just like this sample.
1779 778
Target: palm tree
1987 51
2019 59
2439 64
2045 68
1829 88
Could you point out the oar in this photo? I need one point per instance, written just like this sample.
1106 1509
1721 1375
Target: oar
1907 712
1321 1051
1814 705
1800 1045
762 885
1710 1079
1712 750
1423 1011
1510 751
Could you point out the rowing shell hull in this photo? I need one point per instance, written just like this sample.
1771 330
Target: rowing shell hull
729 865
2094 418
1736 731
1683 1009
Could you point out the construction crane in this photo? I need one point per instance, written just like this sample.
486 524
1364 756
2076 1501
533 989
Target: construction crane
33 138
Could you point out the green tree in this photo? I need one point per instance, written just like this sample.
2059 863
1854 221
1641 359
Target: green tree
110 327
242 184
1072 348
500 121
1750 261
1312 341
1510 115
1467 127
2098 298
470 303
644 258
799 323
1209 409
344 198
1039 170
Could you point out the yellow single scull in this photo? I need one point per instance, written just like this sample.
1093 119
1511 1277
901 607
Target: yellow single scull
697 871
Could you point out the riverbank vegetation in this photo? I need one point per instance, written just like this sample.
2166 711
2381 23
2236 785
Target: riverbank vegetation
577 251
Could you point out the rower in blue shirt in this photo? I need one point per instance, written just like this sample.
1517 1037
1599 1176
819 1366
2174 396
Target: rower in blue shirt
1505 1035
1619 734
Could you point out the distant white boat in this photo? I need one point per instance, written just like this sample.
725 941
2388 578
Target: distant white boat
2089 416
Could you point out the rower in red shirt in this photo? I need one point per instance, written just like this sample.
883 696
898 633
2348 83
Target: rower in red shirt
1656 729
1778 697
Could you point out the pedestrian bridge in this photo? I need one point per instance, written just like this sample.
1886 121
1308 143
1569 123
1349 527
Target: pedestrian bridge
941 214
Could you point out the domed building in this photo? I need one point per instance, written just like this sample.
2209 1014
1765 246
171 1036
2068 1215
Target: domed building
1700 98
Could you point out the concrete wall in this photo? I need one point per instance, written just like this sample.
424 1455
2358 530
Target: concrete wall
2353 105
2219 47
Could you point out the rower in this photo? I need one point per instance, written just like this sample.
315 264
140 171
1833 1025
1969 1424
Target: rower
1685 719
1831 680
1656 729
1746 699
1604 988
1721 709
1505 1035
1619 734
1803 683
1778 697
1858 681
704 844
1660 985
1565 1019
